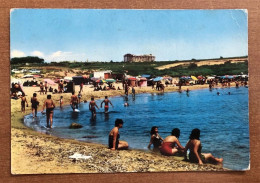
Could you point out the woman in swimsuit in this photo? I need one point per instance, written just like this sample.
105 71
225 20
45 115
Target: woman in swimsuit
171 144
156 139
113 138
195 147
35 104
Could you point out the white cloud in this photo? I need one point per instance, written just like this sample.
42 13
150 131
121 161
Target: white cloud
37 53
17 53
65 56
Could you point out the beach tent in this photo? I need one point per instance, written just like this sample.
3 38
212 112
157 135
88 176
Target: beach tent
67 78
49 81
142 82
131 81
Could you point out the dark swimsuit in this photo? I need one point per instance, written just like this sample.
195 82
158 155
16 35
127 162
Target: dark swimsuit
110 141
49 110
34 104
193 158
157 142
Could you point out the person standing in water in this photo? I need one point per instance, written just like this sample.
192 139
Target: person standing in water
61 101
35 104
49 110
133 91
195 155
92 107
107 102
113 138
74 101
156 139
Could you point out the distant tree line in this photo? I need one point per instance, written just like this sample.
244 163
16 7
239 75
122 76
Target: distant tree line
29 59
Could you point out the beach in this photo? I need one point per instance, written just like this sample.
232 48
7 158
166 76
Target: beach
35 153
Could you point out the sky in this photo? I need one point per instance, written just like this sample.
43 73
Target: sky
105 35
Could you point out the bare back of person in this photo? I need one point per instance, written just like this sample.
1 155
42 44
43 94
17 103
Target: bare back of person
74 99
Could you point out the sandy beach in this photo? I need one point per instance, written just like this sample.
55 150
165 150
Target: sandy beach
35 153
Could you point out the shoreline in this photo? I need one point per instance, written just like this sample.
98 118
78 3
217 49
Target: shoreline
50 154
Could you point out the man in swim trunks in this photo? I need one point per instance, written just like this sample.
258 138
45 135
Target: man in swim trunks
92 107
74 101
49 110
107 102
23 100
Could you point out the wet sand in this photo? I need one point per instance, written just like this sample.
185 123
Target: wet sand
36 153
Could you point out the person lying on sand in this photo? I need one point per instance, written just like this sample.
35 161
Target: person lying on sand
195 155
113 138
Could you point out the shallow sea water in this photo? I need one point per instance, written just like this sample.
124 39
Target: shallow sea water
223 121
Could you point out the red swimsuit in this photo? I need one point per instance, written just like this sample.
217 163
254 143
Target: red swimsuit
166 148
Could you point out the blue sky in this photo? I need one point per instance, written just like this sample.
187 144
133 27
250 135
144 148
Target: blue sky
104 35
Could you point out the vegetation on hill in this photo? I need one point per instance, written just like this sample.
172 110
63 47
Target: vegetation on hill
150 68
29 59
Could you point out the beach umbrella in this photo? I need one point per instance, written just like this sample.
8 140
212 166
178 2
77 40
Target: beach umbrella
100 81
110 80
94 79
49 81
157 79
194 78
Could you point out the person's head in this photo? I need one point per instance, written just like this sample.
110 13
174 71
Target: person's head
92 98
48 96
119 123
45 81
73 93
40 82
34 94
61 97
176 132
154 130
23 94
105 97
195 134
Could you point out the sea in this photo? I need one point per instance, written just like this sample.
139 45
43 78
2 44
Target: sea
223 120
